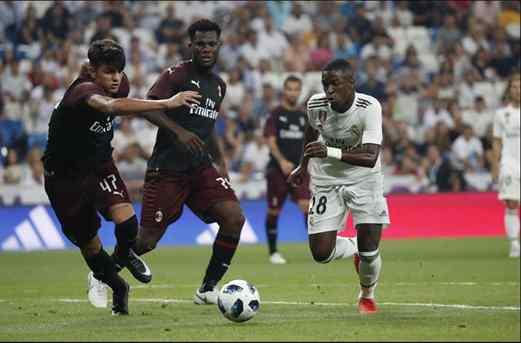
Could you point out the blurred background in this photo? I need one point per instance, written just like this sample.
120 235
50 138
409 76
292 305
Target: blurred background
439 68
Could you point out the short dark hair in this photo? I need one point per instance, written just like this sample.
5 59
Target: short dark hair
292 78
203 25
106 51
339 64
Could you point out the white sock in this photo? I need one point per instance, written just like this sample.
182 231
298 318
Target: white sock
370 267
345 247
512 225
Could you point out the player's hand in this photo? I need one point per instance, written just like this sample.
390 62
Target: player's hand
315 149
186 98
297 176
286 166
191 141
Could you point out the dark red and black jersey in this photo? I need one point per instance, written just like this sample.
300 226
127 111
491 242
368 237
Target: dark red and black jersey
169 154
79 136
288 128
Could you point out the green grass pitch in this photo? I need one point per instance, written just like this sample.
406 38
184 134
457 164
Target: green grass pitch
43 296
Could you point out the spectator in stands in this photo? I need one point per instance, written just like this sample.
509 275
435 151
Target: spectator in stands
479 117
448 34
56 22
256 156
372 85
437 112
467 151
262 105
297 22
296 57
170 29
13 169
467 90
322 54
442 176
33 173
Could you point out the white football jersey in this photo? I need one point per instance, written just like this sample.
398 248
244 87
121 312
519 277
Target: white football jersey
360 124
507 128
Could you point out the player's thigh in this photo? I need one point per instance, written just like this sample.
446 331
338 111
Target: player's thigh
277 189
327 211
212 198
72 200
112 199
163 197
367 202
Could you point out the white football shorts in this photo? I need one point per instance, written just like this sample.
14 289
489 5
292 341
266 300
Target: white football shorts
509 184
329 206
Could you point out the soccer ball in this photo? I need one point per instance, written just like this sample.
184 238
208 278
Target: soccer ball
238 301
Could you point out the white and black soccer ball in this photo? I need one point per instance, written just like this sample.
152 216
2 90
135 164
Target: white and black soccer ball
238 300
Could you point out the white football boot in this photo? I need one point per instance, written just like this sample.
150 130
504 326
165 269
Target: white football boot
206 298
97 291
276 258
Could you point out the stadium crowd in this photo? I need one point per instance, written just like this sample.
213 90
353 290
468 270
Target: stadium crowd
439 68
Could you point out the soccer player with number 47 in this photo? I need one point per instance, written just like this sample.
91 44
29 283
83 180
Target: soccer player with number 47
341 153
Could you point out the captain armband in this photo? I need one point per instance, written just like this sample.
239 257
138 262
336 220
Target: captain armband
334 153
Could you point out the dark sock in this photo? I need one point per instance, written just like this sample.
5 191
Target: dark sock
223 249
105 270
306 221
126 234
271 232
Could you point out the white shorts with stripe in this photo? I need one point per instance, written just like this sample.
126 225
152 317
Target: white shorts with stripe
329 206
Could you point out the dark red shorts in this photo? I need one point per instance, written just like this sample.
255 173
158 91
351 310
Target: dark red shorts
76 199
278 189
165 193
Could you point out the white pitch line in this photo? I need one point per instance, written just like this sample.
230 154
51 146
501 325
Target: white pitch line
461 283
187 301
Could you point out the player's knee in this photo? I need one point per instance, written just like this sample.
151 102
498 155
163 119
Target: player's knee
369 256
91 248
321 256
144 245
234 222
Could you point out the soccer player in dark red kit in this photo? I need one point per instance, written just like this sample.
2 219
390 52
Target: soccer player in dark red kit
192 171
284 131
80 176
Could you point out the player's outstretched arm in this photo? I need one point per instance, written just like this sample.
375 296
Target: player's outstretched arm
131 106
295 178
496 156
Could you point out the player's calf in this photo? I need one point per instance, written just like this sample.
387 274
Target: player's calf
124 256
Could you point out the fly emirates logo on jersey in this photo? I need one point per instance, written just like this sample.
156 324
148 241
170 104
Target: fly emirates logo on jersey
207 111
102 127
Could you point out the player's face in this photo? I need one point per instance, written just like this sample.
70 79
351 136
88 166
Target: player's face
291 92
515 90
339 87
205 48
108 77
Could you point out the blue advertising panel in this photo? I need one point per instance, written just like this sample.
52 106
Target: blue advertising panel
26 228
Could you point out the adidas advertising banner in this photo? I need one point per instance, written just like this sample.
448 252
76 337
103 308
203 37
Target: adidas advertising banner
37 228
412 216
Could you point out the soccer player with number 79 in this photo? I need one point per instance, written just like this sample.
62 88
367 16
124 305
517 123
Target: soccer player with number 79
342 155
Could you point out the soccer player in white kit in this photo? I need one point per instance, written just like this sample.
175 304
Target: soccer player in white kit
506 151
341 153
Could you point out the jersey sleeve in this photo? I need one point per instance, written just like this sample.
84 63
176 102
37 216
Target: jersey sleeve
82 92
166 85
498 128
373 125
269 128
